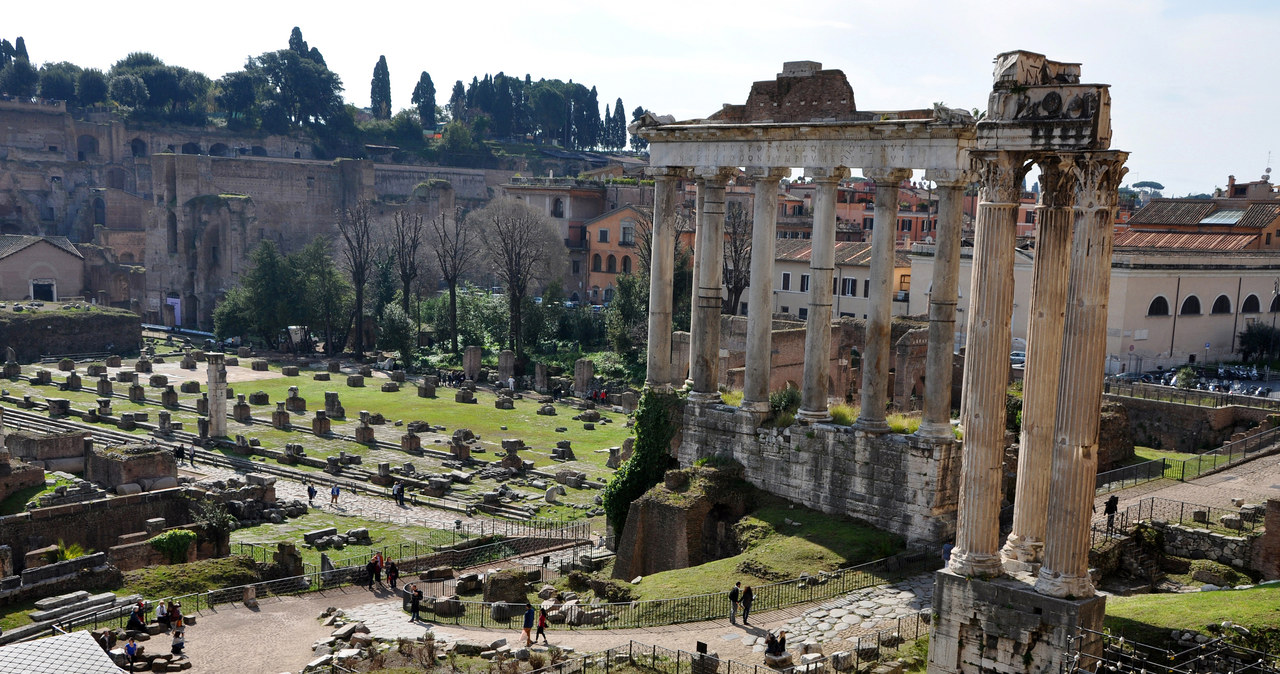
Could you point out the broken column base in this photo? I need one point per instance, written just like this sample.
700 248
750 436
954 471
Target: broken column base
1004 625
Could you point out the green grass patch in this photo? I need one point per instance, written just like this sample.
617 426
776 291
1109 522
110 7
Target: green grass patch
17 501
15 615
394 540
732 397
1149 618
155 582
1178 465
777 551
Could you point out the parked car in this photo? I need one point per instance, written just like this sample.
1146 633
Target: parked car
1018 358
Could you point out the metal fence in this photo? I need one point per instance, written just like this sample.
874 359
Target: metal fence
1118 654
1154 509
1189 468
1188 397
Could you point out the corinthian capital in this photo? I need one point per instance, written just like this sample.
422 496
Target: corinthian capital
1057 180
1000 175
1098 176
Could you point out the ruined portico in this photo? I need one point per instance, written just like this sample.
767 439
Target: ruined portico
806 118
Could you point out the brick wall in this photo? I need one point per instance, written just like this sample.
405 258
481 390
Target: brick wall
1265 555
15 476
1186 428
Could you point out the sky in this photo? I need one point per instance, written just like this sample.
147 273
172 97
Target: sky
1193 86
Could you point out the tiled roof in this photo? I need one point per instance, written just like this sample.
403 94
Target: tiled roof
75 652
848 253
1172 212
1258 216
12 243
1184 241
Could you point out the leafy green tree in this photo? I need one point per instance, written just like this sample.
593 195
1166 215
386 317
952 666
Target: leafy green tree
326 295
458 103
424 96
549 111
128 90
380 90
626 319
91 87
20 79
619 126
58 81
261 305
457 138
1259 340
396 332
6 53
296 43
305 89
20 50
405 130
237 94
638 144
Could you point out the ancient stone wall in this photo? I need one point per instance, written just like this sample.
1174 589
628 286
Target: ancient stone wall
895 482
1186 428
111 467
1266 548
1196 543
94 524
16 475
32 334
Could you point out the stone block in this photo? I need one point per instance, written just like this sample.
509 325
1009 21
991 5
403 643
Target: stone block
320 376
355 380
390 387
259 366
190 387
464 396
259 398
289 370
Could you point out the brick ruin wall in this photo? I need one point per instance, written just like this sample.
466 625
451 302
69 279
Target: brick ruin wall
892 481
1186 428
60 332
16 475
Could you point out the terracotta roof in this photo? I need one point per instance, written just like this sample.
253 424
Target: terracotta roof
1258 216
12 243
1184 241
848 253
1173 212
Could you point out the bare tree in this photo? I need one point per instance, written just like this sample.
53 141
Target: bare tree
524 249
407 233
455 246
359 249
737 254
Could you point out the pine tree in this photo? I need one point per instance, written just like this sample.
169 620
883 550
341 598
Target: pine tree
296 43
424 96
20 50
638 144
619 125
380 90
458 102
606 139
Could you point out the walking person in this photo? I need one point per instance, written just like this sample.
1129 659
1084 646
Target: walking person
747 597
735 594
393 574
193 455
528 624
311 494
370 570
415 603
1110 509
542 628
132 649
333 494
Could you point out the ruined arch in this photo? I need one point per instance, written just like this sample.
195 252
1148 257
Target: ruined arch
1222 305
190 148
1251 305
138 147
1190 306
219 150
86 146
1158 307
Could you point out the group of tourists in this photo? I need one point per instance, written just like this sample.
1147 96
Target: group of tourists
168 615
375 568
740 597
180 453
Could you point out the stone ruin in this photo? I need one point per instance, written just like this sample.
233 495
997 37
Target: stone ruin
583 372
131 468
563 451
280 419
332 407
320 424
465 395
471 362
295 403
427 387
241 411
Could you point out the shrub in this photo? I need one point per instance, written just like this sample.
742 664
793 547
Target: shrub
784 400
68 552
655 427
733 398
174 544
844 415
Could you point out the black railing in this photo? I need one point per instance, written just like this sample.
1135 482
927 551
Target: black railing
1192 467
1098 653
1187 396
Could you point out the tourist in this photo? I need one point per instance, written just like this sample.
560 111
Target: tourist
734 594
377 567
397 490
178 454
776 645
137 619
542 628
333 494
946 553
415 604
747 597
1110 509
393 574
175 616
370 569
132 649
162 615
311 493
193 455
178 643
528 624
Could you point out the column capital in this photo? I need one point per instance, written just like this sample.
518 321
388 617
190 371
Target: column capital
951 177
767 173
1098 176
826 175
672 172
720 174
1000 175
886 174
1057 180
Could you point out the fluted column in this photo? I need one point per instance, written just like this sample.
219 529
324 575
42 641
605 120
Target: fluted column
1065 571
1054 216
935 423
708 287
695 318
877 350
986 365
822 261
662 242
755 386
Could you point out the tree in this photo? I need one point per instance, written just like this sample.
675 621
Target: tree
128 90
20 50
305 89
619 123
424 96
548 111
627 318
327 296
260 305
1259 340
1148 184
58 81
380 90
407 233
355 226
91 87
523 249
455 246
652 457
395 332
458 103
737 254
238 93
20 79
296 43
638 144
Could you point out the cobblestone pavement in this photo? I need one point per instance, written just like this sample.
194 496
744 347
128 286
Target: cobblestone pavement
1255 481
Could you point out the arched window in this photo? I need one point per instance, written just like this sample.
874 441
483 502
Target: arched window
626 264
99 212
1159 307
219 150
1222 305
138 147
1251 305
611 265
595 262
557 208
1190 306
608 295
190 148
1275 304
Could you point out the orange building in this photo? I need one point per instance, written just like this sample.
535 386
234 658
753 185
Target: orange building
611 250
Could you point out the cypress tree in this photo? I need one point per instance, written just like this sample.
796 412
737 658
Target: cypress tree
380 90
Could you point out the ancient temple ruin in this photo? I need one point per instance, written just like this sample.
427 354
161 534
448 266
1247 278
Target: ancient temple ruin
1008 609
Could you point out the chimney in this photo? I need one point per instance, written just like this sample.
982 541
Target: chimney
1231 186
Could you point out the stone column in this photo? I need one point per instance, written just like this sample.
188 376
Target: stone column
662 242
935 423
759 358
877 350
1065 571
1054 215
217 395
695 318
708 286
986 365
822 262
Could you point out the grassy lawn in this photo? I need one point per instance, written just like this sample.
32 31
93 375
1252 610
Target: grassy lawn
1148 618
17 501
778 550
385 536
15 615
155 582
1178 465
